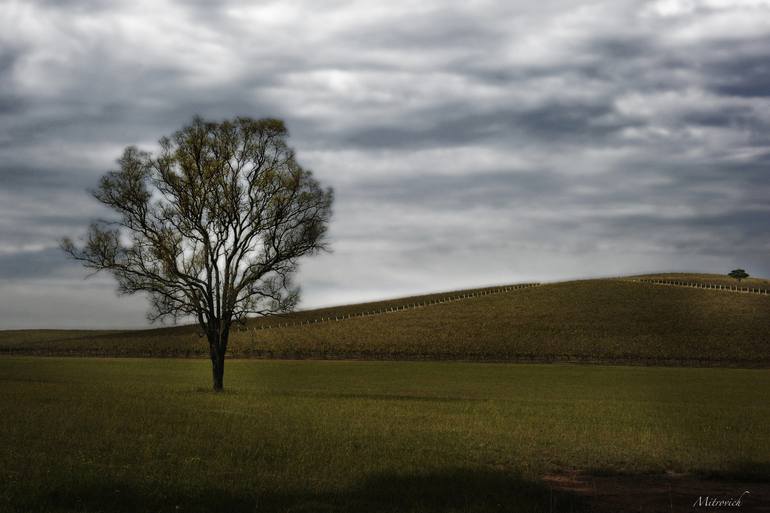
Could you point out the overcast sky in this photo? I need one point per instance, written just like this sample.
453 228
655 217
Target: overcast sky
468 142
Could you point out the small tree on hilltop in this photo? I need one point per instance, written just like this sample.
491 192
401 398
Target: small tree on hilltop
212 227
738 274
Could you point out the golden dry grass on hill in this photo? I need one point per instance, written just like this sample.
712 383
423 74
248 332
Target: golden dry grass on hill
590 320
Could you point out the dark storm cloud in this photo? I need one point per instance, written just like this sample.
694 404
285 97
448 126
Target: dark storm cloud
747 76
10 101
536 140
490 189
33 265
458 124
21 178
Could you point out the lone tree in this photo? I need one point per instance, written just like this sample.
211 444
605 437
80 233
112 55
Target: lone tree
738 274
211 228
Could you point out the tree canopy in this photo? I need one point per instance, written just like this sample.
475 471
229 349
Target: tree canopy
738 274
212 227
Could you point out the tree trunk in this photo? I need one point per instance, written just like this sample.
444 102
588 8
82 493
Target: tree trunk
217 367
217 350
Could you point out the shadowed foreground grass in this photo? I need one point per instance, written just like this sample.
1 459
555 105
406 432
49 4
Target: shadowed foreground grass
146 435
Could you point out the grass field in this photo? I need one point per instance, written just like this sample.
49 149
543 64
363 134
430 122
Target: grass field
145 435
591 320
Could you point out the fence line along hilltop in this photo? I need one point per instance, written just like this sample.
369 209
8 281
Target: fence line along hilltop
398 308
700 285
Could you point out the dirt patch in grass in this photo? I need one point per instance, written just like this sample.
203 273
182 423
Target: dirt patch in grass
670 493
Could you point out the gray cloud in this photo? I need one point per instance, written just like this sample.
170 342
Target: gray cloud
33 265
469 143
742 75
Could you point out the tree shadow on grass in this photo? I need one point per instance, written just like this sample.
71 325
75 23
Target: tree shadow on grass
451 490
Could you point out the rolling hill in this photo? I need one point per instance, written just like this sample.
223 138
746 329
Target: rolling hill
603 320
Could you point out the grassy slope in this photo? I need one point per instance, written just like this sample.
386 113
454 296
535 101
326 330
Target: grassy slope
136 435
714 279
593 319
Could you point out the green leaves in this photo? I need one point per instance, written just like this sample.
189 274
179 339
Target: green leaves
738 274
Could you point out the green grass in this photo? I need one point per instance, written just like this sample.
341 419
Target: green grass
136 435
591 320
